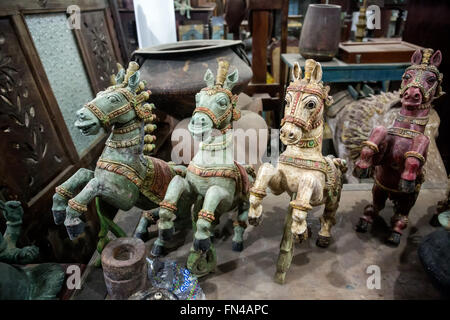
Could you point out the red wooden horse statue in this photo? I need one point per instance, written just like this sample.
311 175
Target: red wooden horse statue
396 155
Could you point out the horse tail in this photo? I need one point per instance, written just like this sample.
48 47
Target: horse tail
341 164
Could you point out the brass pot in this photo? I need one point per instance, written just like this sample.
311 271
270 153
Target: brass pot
321 29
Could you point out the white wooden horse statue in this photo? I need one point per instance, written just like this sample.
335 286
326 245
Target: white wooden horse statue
302 171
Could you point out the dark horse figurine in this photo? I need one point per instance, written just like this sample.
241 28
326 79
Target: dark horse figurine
398 154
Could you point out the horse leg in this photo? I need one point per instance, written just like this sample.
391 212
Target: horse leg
176 187
257 193
239 226
148 217
66 191
77 206
286 250
308 187
213 197
403 204
370 149
202 258
327 221
371 211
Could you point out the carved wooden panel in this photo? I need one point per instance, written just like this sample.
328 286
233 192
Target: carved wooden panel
97 48
29 147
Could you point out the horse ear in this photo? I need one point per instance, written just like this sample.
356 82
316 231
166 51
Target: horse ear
231 80
209 78
436 58
316 74
119 76
296 72
416 57
133 81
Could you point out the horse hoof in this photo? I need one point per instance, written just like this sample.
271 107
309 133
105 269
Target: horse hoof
434 221
362 226
157 250
202 245
299 238
166 234
407 186
141 235
75 230
280 277
237 246
254 221
361 173
59 216
394 239
323 242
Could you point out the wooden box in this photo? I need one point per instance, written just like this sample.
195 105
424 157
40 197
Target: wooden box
376 52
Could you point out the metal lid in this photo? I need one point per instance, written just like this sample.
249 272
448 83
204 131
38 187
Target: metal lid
187 46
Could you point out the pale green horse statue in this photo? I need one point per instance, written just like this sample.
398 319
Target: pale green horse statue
124 176
216 182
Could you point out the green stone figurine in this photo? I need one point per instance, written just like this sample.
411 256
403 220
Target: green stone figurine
43 281
13 213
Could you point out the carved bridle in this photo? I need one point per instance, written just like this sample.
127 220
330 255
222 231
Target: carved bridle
314 121
421 67
134 102
418 79
219 119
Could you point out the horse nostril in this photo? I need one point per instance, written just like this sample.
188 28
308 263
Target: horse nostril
291 135
416 96
203 120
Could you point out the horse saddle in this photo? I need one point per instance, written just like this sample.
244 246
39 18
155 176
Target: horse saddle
240 173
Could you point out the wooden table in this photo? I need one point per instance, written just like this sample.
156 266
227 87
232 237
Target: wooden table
339 71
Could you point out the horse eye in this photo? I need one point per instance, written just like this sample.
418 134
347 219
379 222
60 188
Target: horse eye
113 99
407 76
431 79
310 105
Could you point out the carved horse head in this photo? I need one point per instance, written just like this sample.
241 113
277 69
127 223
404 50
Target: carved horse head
305 101
215 104
119 104
421 82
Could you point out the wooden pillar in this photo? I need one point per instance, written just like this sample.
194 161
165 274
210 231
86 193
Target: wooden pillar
260 30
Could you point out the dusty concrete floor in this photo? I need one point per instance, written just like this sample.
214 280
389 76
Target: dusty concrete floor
338 272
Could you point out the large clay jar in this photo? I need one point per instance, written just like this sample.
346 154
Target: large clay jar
321 29
124 267
174 72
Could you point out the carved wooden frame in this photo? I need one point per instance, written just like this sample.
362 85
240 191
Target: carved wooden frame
37 206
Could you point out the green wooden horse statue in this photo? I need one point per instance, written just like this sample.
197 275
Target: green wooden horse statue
213 178
124 176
